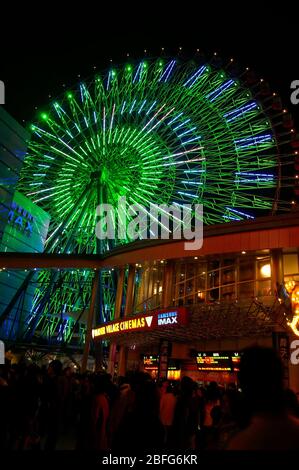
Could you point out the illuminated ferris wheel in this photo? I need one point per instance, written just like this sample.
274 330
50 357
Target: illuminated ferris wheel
156 132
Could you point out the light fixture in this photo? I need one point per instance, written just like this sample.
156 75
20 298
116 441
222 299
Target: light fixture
243 252
195 257
266 270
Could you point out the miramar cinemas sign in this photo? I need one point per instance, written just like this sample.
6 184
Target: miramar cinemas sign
156 320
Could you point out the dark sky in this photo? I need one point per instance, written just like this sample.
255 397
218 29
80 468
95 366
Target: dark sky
40 55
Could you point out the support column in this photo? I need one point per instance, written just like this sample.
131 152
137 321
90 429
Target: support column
95 286
122 361
130 291
117 311
123 350
119 293
168 284
276 269
112 358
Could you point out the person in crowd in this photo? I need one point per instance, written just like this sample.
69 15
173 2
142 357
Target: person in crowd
168 402
230 413
5 405
211 417
271 427
122 405
185 423
100 414
141 429
163 386
85 402
54 396
291 402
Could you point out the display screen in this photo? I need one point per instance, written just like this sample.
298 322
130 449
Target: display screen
218 361
236 357
151 362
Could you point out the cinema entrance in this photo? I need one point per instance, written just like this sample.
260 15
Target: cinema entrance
171 343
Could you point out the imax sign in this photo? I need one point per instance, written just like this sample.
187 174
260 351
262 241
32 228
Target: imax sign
168 318
21 219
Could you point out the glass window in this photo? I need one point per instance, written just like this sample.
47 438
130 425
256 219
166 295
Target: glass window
213 280
246 278
263 276
290 264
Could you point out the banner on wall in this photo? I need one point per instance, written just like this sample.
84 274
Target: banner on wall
282 345
164 354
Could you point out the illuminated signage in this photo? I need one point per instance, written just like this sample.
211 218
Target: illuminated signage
21 218
174 370
168 318
155 320
151 362
218 361
235 358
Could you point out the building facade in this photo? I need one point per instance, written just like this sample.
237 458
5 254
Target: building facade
233 292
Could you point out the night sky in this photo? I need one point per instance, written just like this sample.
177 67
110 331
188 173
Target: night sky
39 56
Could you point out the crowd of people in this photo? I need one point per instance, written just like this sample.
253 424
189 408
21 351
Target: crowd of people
40 408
